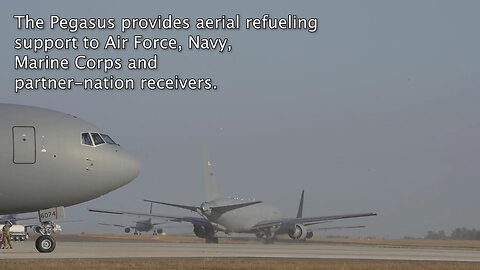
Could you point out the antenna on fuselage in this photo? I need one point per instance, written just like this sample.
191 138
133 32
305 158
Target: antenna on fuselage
210 183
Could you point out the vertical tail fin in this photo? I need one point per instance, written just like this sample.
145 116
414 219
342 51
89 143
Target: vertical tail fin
300 206
210 183
151 206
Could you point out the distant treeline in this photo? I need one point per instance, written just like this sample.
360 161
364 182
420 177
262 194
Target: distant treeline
457 234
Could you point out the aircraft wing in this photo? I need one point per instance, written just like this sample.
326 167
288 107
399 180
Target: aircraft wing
226 208
188 207
136 214
338 228
160 223
306 221
14 218
171 218
316 220
116 225
194 220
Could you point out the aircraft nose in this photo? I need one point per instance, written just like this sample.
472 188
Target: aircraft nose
114 166
131 167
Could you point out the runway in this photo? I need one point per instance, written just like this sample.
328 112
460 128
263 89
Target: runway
103 250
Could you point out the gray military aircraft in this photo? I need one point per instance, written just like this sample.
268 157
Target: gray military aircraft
15 218
140 225
50 160
232 215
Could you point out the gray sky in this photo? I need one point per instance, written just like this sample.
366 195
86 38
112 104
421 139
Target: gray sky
376 111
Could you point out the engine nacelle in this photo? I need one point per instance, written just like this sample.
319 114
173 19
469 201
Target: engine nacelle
203 231
127 230
299 232
199 231
159 231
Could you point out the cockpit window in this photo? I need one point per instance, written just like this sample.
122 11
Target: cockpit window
97 139
86 139
107 139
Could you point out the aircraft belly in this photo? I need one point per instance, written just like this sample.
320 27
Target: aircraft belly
237 221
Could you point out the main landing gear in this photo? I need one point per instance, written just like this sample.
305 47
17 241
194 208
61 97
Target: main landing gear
267 235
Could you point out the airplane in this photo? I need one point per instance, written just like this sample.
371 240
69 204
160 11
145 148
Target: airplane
309 232
140 226
14 218
50 160
233 215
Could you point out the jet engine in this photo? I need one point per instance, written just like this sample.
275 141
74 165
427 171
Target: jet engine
298 232
127 230
159 231
203 231
199 231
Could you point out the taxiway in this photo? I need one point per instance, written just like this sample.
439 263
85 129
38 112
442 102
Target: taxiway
117 249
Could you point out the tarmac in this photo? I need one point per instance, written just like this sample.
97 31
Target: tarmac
94 249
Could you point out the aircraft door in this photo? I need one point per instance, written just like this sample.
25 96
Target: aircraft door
24 145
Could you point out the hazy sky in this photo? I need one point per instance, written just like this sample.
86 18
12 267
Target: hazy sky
376 111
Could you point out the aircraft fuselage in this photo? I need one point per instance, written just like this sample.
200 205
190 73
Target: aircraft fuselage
44 164
242 220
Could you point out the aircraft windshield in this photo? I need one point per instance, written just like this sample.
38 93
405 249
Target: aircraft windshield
94 139
97 139
107 139
86 139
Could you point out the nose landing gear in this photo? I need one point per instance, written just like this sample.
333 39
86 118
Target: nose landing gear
45 244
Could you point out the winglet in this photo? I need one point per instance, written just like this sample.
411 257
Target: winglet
300 206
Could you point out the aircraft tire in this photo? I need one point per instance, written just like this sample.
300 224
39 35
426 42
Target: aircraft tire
45 244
